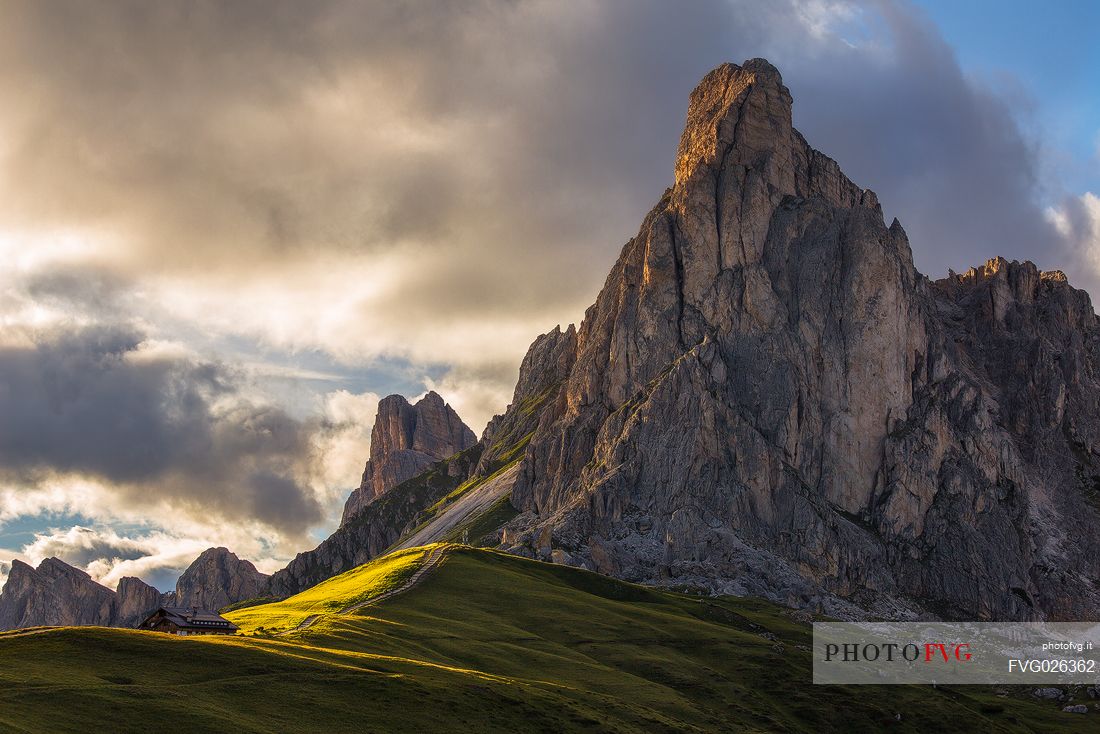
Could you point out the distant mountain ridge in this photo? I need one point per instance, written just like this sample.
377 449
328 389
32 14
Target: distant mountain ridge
57 593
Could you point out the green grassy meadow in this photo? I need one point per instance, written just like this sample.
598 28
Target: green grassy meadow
487 642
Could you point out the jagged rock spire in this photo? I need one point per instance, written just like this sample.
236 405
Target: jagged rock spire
406 440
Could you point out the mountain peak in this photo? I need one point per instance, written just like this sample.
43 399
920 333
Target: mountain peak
215 554
745 106
405 440
216 578
55 567
20 567
431 397
53 594
767 398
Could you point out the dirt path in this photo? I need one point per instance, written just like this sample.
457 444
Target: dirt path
435 557
466 507
303 624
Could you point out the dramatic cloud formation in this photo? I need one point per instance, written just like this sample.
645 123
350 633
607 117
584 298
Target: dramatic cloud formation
1078 221
108 556
92 402
196 196
99 421
421 162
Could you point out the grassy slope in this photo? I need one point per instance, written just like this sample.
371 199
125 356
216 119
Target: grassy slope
487 642
333 595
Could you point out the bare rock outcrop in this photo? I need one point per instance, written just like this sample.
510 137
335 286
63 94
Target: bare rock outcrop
405 441
135 600
767 398
541 375
216 579
55 593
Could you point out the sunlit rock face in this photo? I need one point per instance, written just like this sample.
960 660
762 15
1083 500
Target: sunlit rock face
216 579
405 441
767 398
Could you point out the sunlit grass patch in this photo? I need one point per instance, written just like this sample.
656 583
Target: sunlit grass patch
329 597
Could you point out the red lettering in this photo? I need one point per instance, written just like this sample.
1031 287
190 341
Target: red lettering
930 648
933 650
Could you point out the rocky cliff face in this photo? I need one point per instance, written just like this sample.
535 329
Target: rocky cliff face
405 441
134 601
216 579
53 594
541 375
767 398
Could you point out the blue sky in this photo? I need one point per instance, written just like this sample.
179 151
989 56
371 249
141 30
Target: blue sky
1052 51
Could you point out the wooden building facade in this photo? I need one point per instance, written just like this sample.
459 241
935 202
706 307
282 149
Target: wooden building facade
188 621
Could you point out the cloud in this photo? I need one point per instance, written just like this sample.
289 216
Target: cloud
80 546
944 153
96 402
155 539
344 441
1077 219
440 184
100 421
108 556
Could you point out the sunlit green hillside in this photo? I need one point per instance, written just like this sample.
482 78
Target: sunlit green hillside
484 642
327 598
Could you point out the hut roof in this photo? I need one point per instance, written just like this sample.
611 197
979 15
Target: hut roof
192 618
